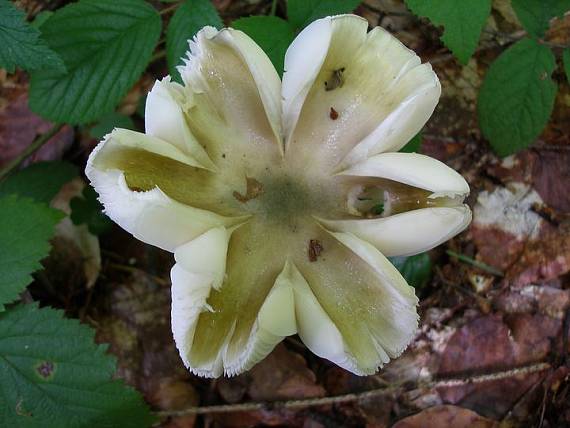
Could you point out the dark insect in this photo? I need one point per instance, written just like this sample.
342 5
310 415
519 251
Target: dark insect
333 114
336 80
315 250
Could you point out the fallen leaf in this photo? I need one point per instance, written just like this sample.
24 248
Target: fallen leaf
19 127
79 243
445 417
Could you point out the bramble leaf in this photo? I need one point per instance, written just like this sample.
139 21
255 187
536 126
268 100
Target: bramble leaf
108 122
88 210
21 44
190 17
54 375
535 15
415 269
462 22
25 229
517 96
40 181
303 12
273 34
414 145
105 45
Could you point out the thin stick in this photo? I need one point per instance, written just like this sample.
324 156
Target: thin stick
273 8
309 402
159 55
480 265
169 9
30 150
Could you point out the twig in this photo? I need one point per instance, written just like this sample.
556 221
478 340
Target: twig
479 265
521 34
169 9
360 396
30 150
159 55
289 404
273 8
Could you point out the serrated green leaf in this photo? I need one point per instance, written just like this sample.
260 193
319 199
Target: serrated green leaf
105 45
40 181
88 210
141 106
414 145
190 17
52 374
462 22
41 18
416 270
566 60
108 122
20 43
303 12
535 15
25 229
517 96
273 34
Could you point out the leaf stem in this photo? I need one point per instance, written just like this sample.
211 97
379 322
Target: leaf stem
30 150
515 37
169 9
158 55
480 265
273 8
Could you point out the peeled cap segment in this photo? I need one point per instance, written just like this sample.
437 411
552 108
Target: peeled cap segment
380 91
151 216
407 233
414 170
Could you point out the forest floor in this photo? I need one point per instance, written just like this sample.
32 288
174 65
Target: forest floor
492 349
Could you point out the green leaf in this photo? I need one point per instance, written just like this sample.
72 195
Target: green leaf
566 60
88 210
535 15
41 17
141 106
25 229
415 269
105 45
462 21
273 34
108 122
21 44
52 374
303 12
40 181
190 17
517 96
414 145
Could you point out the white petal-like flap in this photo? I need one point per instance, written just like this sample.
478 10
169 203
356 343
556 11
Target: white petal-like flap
358 91
356 309
165 107
415 170
407 233
233 94
350 305
200 266
303 61
150 215
231 330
